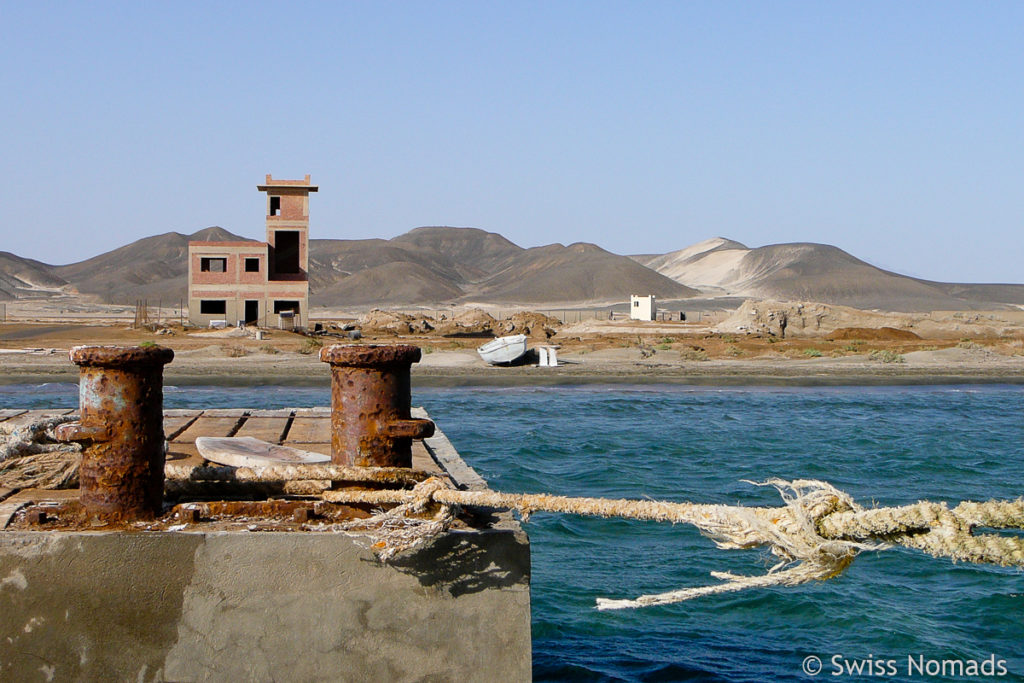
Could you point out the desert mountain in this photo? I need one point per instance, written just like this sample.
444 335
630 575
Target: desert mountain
22 278
155 268
431 265
397 282
482 252
442 265
817 272
577 273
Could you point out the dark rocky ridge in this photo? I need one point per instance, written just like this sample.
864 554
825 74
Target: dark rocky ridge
443 265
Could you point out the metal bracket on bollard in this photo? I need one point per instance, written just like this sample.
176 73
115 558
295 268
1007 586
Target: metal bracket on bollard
370 402
121 430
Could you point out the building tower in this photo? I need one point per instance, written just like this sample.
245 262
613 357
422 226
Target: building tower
264 283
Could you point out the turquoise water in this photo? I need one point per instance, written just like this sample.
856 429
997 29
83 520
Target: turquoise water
890 445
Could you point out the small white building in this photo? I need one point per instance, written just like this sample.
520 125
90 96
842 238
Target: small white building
642 307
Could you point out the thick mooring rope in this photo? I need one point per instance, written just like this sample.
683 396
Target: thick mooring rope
816 535
31 457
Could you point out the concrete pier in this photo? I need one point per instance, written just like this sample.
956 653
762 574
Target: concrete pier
262 599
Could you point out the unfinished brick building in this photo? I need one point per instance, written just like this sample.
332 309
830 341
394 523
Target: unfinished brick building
264 283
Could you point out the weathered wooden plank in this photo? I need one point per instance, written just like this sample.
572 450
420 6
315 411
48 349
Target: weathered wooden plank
318 411
30 416
264 428
208 426
278 413
309 430
184 454
421 459
175 424
226 412
324 448
181 412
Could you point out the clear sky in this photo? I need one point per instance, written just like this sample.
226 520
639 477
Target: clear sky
894 130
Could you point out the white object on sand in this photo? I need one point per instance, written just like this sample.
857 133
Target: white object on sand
246 451
503 349
548 356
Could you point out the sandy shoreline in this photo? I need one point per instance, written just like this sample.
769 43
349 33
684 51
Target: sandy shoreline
462 368
35 353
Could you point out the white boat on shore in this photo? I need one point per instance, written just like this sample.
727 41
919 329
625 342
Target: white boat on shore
503 350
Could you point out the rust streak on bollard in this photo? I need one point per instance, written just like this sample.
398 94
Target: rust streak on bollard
370 396
121 430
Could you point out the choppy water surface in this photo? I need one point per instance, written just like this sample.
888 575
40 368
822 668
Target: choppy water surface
891 445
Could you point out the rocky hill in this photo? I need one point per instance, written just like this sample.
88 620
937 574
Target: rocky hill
442 265
450 265
433 265
154 268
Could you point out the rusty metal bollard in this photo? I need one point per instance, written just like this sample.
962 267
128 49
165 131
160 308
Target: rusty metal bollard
370 397
121 430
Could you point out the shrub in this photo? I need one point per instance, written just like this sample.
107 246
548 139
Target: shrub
147 344
853 346
235 351
733 351
812 353
269 349
969 345
694 353
663 347
311 345
886 356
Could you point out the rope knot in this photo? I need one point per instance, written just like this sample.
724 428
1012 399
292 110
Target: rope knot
423 493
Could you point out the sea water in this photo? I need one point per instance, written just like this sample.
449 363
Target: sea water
893 615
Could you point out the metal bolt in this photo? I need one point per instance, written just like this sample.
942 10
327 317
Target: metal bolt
189 515
370 397
36 517
121 430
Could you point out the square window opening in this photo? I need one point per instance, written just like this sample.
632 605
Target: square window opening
213 307
283 306
213 265
252 265
275 206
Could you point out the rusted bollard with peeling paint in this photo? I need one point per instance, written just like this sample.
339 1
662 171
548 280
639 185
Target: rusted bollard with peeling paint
370 400
121 430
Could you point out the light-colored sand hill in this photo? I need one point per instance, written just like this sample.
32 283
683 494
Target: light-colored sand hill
818 272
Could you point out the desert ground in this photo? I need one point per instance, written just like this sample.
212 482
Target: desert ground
820 345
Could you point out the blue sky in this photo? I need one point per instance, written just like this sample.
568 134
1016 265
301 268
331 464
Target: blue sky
890 129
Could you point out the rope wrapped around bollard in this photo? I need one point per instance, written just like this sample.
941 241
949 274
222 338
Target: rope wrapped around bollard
816 534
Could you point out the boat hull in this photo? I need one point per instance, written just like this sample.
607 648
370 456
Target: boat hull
503 350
